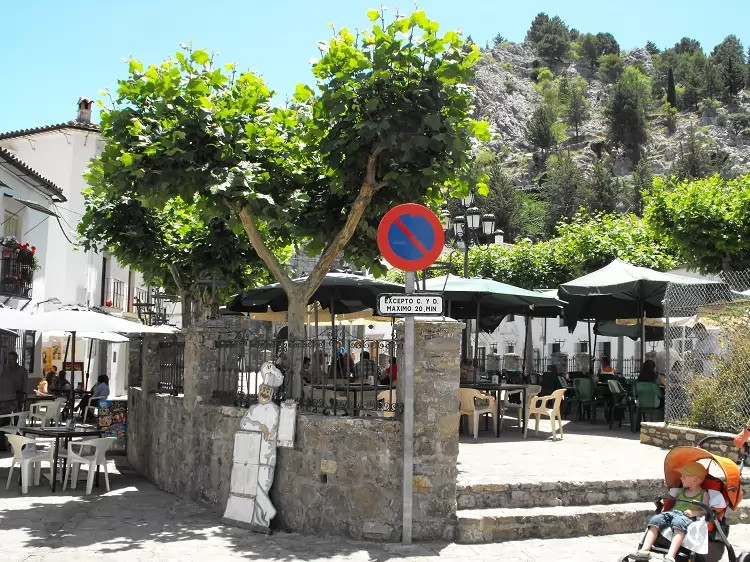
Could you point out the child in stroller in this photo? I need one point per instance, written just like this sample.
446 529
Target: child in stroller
690 525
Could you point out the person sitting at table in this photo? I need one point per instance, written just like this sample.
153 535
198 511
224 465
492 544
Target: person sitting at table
607 370
63 386
648 371
467 370
42 387
366 369
391 373
306 370
99 392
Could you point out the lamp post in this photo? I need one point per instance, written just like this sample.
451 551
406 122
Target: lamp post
466 231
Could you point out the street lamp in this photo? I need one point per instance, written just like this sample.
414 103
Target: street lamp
466 230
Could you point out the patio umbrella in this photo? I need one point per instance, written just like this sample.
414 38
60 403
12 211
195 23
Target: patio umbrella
622 290
339 292
490 301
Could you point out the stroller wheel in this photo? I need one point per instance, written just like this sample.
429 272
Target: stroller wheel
743 557
625 559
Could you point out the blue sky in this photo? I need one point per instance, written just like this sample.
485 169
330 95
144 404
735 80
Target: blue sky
53 51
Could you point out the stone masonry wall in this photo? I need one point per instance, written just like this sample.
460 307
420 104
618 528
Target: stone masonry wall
341 478
669 436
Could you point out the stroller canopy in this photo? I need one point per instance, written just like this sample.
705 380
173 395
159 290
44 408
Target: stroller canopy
730 472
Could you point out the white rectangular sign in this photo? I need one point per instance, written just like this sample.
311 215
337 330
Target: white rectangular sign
401 305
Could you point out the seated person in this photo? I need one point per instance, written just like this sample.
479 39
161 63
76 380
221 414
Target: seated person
467 370
99 392
306 370
682 514
607 370
63 385
366 368
42 387
390 375
648 372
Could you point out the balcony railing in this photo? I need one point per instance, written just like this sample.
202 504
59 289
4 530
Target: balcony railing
114 296
16 275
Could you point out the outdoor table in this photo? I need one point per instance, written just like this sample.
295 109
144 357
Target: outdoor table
497 389
31 398
65 434
354 387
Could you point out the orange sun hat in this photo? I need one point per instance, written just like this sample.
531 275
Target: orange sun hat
694 468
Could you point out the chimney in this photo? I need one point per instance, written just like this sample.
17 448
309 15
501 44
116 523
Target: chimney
84 110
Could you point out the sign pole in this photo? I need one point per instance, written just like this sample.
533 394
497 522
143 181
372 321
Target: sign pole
408 388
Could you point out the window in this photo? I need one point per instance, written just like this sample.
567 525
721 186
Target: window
511 318
605 349
556 347
12 225
131 289
510 347
582 347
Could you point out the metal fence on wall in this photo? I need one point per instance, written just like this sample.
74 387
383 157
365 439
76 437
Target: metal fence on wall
707 353
172 367
338 377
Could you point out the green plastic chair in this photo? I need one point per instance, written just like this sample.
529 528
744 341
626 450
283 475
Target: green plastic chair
571 396
587 399
619 404
647 400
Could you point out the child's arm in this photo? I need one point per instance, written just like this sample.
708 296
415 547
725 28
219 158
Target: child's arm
697 511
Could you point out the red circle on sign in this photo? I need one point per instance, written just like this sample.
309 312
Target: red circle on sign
394 216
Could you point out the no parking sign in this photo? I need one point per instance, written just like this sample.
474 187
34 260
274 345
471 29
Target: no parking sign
410 237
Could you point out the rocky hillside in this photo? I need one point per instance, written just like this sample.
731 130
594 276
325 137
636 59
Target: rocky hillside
506 95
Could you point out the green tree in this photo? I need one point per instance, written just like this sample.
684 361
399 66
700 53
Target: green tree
577 108
388 122
565 189
695 159
671 90
171 245
687 45
603 189
539 129
550 36
651 48
626 111
499 39
582 245
642 181
607 44
729 56
705 221
589 49
502 201
611 68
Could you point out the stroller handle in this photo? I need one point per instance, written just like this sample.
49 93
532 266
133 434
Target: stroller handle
710 513
742 455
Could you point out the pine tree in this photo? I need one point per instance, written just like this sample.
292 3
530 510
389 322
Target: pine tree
642 181
694 161
563 189
539 130
626 112
651 48
729 56
578 108
671 90
602 188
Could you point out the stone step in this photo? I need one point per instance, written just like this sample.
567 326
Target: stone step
554 494
503 524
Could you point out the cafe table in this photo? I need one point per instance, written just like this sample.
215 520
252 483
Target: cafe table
497 390
61 433
355 388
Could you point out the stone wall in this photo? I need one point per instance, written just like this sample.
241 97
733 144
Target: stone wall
669 436
342 477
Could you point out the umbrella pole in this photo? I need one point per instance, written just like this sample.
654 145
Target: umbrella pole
88 365
72 370
476 342
590 365
592 354
643 337
65 357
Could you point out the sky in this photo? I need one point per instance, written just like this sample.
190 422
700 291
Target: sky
54 51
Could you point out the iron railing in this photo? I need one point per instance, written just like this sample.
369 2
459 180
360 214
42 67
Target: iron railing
115 293
350 385
172 367
16 275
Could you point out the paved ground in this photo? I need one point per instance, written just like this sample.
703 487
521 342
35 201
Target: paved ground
588 452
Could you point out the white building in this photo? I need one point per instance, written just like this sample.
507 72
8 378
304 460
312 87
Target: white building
41 180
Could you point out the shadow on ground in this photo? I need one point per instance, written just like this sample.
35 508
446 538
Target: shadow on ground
139 519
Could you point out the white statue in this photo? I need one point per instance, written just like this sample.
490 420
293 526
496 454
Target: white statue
255 445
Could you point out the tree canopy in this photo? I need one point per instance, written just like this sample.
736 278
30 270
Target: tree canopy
387 121
706 221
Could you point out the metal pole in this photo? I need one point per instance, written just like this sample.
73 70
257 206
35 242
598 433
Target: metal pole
72 372
408 389
466 341
667 364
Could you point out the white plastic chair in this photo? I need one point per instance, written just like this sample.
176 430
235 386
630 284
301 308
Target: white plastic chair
92 453
389 402
532 390
468 408
92 407
25 454
16 421
48 411
540 408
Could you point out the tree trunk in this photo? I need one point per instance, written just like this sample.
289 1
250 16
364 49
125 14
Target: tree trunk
187 312
296 317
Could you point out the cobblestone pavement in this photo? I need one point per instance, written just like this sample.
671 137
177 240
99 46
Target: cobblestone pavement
136 521
588 452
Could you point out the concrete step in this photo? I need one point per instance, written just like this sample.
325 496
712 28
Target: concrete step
553 494
503 524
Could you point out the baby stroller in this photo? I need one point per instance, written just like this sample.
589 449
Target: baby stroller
723 478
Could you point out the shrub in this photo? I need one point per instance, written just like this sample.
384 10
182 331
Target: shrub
506 66
611 68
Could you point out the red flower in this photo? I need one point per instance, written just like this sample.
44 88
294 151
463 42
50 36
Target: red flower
33 249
